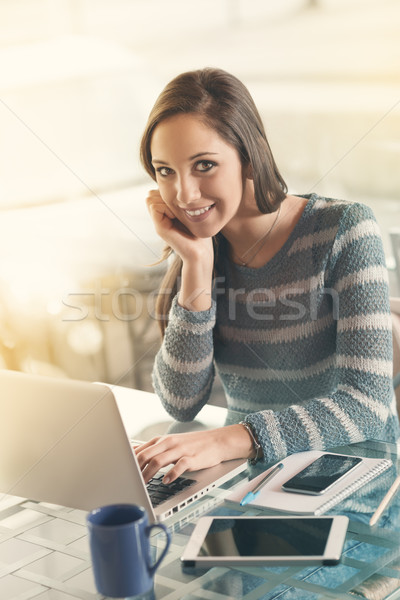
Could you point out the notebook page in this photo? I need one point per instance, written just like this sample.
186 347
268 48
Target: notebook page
272 496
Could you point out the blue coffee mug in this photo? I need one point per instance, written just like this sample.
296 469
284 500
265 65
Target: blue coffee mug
120 549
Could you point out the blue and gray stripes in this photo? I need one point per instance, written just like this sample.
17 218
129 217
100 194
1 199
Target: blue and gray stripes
302 345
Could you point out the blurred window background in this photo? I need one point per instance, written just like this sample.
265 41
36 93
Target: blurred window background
77 81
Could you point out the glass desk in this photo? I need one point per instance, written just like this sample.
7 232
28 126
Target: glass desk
44 553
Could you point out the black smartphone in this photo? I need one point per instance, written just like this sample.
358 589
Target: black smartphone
322 474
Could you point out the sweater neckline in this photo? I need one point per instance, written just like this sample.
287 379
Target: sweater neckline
269 264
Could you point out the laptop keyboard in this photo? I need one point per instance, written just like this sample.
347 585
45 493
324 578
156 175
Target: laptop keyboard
159 492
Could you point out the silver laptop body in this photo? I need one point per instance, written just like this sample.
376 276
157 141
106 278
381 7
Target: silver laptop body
63 441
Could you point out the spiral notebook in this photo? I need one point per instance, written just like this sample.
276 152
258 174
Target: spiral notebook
272 496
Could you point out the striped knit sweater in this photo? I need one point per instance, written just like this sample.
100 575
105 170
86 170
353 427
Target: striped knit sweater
302 345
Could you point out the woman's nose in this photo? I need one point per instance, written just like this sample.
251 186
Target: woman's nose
188 191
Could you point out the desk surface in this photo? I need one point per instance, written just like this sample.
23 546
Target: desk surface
44 552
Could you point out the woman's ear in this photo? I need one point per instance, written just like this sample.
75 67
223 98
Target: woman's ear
248 171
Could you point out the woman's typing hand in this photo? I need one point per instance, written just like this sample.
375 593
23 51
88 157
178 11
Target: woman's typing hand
192 451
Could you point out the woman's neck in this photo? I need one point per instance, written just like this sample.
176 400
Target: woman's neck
255 239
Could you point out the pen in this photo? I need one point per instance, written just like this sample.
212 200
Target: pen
254 493
386 500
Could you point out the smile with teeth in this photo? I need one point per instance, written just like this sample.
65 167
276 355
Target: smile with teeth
199 211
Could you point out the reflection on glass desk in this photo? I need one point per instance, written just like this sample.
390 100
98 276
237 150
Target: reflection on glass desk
44 552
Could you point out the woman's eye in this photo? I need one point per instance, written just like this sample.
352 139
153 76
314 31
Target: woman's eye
164 171
204 165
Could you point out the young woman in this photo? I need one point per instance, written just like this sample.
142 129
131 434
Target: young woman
286 296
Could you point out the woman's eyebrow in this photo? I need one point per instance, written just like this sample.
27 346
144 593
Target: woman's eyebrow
164 162
202 154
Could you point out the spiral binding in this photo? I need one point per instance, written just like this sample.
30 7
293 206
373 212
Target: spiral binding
353 487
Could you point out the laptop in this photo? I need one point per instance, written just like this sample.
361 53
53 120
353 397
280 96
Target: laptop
64 442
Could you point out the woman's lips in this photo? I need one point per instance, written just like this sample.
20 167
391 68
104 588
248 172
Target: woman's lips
199 214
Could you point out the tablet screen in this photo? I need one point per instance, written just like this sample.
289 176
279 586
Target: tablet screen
266 537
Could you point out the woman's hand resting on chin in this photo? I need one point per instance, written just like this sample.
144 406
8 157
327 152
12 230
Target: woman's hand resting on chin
174 233
197 254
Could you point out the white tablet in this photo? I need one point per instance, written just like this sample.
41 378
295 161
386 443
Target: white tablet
229 541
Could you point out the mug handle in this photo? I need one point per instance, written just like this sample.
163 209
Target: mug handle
152 568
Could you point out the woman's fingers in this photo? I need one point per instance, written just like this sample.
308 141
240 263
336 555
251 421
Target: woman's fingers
175 234
179 467
193 450
168 227
186 452
155 455
157 207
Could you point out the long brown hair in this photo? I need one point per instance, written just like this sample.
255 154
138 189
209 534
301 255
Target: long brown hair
223 103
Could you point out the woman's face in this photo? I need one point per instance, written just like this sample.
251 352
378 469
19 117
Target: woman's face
199 176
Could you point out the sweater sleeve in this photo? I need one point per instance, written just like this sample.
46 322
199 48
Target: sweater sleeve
183 370
361 404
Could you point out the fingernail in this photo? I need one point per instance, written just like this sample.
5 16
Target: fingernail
166 479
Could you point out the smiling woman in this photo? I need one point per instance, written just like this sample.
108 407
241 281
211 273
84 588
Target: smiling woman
203 194
285 295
